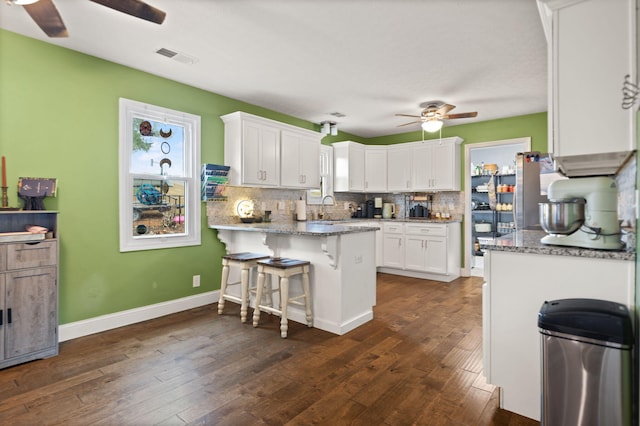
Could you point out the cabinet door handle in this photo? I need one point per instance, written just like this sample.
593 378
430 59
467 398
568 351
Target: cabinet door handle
1 316
9 319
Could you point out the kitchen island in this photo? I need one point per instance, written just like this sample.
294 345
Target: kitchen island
343 270
520 274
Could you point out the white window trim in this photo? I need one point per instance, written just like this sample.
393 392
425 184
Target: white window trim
191 123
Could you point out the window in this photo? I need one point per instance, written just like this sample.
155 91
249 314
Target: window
159 177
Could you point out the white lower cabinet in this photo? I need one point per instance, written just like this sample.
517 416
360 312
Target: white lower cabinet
517 284
393 245
427 250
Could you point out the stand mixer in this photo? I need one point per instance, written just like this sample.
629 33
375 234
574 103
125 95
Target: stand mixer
600 229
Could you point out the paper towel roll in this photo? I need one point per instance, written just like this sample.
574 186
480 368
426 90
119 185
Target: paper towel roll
301 210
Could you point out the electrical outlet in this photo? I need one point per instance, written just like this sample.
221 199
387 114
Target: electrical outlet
196 280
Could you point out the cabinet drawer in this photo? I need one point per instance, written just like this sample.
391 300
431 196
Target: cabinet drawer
24 255
393 228
426 229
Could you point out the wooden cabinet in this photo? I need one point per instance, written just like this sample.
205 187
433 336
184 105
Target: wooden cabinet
436 165
267 153
393 245
375 169
300 161
28 290
348 167
592 47
399 168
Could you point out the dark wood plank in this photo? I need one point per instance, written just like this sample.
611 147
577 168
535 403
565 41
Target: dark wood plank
418 362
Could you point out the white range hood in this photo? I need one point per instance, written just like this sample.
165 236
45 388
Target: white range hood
602 164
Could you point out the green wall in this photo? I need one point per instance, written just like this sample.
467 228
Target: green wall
59 118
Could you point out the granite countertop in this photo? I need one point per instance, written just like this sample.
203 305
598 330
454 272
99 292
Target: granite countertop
529 242
400 219
297 228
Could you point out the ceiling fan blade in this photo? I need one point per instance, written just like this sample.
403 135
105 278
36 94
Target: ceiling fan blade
444 109
407 115
412 122
46 15
136 8
461 115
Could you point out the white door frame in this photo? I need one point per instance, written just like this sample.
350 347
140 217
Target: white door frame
466 271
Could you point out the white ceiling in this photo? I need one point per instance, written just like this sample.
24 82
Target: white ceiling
367 59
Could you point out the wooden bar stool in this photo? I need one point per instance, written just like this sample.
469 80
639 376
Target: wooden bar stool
283 268
245 261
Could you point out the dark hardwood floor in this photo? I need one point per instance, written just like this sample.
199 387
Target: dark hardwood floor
419 362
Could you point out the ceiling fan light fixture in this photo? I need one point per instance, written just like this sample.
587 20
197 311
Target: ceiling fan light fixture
23 2
432 125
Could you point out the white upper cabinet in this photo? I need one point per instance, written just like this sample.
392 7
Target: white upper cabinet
398 168
592 47
263 152
348 167
260 146
300 155
415 166
435 165
375 169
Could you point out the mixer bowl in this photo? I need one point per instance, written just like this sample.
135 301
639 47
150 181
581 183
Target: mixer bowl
562 217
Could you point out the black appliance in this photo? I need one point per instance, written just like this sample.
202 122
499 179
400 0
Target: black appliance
370 208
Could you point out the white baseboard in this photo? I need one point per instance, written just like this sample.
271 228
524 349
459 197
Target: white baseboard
119 319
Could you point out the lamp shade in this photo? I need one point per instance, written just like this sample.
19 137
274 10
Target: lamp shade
432 125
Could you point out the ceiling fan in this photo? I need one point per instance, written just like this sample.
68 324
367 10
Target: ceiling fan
45 13
433 113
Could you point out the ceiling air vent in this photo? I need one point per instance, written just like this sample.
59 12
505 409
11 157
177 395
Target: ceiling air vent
177 56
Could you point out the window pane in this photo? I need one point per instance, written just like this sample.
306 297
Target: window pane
158 148
158 207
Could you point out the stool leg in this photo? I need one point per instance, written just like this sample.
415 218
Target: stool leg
307 294
269 295
244 290
260 284
223 285
284 303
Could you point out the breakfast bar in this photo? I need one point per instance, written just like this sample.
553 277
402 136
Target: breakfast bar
343 270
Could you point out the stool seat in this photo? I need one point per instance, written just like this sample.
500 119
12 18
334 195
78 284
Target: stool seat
246 261
245 257
283 268
283 262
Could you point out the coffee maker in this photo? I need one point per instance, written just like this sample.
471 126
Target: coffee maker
377 207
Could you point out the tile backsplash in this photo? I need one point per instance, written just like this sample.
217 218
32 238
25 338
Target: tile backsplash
281 202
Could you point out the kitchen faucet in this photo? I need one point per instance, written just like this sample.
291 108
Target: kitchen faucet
322 210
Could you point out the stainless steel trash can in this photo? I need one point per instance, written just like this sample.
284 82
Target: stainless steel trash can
586 363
